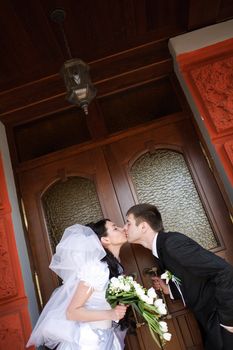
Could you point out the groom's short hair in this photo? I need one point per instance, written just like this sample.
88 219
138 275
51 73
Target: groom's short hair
148 213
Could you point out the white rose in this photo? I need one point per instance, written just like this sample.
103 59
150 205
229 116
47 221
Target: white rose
151 293
115 283
162 309
136 285
150 300
144 298
140 292
167 336
158 302
163 326
121 285
127 288
113 279
164 276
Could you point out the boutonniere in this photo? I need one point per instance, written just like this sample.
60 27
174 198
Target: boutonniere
168 276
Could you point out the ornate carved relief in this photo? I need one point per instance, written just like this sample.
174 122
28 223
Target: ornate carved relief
7 281
1 202
4 200
11 334
3 196
228 146
14 327
215 84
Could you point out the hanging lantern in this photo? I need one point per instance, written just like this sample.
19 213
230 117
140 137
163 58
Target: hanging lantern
80 90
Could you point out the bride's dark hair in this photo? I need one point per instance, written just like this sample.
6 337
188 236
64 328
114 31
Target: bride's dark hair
100 229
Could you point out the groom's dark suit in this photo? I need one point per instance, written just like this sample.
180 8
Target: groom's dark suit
206 285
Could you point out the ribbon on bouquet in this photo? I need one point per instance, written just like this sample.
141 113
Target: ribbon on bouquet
177 284
168 276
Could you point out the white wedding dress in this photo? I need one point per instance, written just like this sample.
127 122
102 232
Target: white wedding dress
78 258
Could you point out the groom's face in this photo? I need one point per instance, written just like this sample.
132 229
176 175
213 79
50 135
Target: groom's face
133 231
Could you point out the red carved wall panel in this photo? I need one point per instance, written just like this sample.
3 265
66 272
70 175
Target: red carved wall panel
208 73
215 84
229 149
15 326
7 278
11 332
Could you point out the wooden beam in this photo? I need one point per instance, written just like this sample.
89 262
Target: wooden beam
106 73
202 13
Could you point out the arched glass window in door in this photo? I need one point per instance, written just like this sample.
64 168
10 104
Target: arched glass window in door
70 202
163 179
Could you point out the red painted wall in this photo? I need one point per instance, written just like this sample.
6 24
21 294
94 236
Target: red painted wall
208 73
15 326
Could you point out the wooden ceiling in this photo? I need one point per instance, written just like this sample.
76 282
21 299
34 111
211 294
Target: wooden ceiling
32 45
124 41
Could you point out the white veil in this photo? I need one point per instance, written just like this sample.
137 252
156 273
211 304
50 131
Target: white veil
77 257
78 246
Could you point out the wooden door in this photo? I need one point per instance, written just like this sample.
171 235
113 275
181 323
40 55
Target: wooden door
108 168
173 139
36 183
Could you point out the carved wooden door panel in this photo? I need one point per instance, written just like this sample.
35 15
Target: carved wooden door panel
165 166
105 182
75 189
60 182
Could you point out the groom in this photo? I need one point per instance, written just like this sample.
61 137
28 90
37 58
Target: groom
206 280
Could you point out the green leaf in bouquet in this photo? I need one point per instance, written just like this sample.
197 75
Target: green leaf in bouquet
124 290
156 338
135 306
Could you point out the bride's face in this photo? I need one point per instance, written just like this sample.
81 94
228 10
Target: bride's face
116 235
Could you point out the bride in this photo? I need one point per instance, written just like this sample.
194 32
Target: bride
77 316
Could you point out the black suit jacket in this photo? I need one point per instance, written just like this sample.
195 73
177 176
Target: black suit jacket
206 279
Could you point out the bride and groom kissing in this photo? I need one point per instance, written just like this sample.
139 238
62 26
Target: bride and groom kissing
206 283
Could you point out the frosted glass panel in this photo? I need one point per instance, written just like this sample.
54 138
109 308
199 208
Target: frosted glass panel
70 202
163 179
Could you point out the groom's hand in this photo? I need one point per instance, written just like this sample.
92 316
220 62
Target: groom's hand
159 284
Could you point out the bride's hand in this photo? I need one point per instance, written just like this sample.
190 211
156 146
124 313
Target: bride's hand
119 312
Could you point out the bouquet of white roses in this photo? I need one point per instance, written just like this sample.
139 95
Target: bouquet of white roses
125 290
